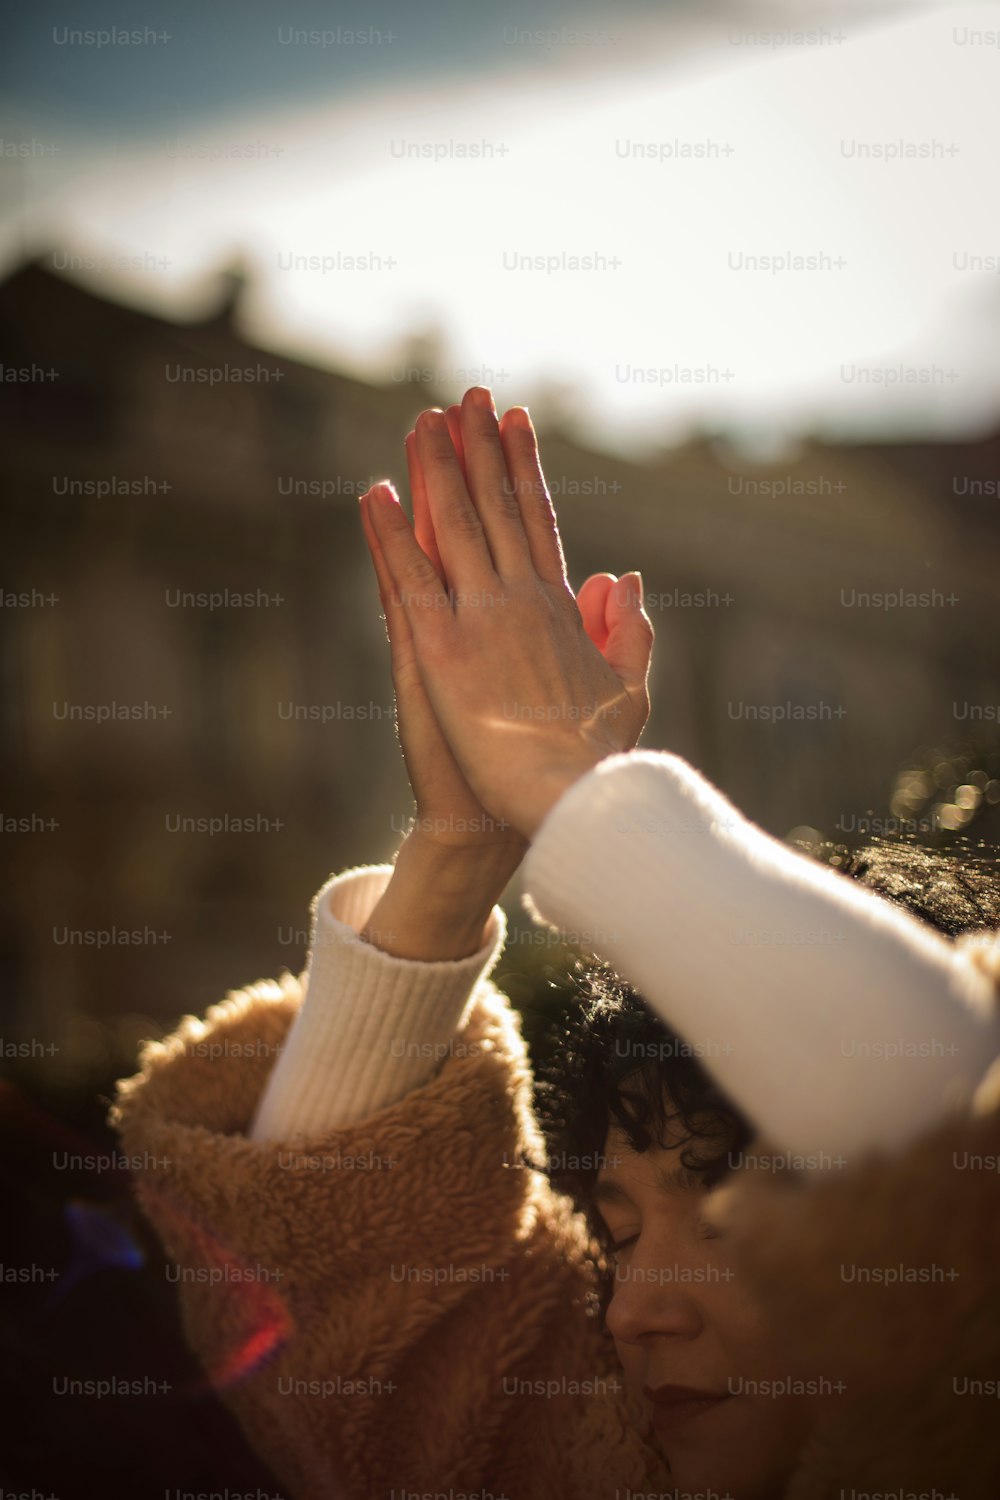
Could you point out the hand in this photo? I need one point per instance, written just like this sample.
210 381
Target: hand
525 698
449 816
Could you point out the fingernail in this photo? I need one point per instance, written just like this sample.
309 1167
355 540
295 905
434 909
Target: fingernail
384 493
435 419
483 397
522 417
629 588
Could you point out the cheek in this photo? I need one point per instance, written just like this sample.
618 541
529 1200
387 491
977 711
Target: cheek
741 1320
732 1305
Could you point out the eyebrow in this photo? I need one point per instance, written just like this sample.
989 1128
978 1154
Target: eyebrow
607 1190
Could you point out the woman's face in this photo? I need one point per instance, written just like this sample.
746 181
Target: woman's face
680 1316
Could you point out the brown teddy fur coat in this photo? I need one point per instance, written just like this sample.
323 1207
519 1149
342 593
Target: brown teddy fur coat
487 1371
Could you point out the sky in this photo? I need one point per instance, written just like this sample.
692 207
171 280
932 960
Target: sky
661 218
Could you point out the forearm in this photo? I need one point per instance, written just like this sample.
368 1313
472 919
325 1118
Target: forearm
797 986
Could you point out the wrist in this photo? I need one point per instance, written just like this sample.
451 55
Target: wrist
439 900
478 872
547 787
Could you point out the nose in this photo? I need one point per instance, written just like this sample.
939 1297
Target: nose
651 1296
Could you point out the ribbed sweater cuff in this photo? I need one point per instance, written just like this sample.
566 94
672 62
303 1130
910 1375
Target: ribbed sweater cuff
371 1026
833 1020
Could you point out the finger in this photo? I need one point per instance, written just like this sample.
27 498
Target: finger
453 416
414 580
423 526
591 601
630 632
396 622
461 537
490 485
517 434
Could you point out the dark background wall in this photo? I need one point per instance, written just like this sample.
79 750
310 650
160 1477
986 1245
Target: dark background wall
192 632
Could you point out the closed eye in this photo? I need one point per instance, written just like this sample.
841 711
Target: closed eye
618 1245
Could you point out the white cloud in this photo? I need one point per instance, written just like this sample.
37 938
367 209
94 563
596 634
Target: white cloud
794 119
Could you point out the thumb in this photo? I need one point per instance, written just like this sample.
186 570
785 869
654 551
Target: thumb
630 631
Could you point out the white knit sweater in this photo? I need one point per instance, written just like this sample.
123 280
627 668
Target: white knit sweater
834 1020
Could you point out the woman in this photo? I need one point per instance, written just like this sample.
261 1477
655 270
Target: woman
387 1297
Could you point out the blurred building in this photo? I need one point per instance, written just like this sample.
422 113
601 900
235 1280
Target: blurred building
197 717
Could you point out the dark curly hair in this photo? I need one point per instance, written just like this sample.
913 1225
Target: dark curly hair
611 1060
955 892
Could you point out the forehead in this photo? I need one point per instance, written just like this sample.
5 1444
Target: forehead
660 1169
